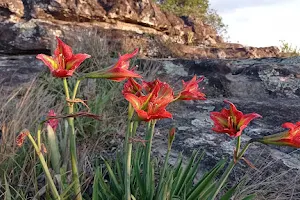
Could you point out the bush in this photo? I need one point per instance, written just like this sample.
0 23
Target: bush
287 49
196 8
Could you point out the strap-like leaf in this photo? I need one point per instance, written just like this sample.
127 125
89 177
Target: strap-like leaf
113 178
249 197
183 178
206 181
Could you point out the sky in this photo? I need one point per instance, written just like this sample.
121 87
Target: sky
260 23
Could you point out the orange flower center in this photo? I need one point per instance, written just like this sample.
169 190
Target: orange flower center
61 61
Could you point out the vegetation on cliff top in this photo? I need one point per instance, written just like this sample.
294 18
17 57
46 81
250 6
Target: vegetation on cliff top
199 9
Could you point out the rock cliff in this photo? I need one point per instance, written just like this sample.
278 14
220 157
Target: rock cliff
29 26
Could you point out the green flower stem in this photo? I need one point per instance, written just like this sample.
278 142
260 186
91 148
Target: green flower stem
238 145
228 171
66 88
45 168
75 174
39 136
243 150
147 163
75 89
128 151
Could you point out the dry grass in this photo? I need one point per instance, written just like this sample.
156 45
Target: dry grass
271 179
23 108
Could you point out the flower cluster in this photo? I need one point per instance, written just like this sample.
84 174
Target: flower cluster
150 99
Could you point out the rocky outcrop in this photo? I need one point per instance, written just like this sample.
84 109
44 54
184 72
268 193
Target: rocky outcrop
30 26
268 86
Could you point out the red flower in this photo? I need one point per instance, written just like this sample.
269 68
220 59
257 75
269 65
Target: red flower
52 122
191 91
21 138
64 62
290 137
153 105
231 121
119 71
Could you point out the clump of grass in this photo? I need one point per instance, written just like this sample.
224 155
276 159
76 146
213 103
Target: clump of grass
22 108
269 181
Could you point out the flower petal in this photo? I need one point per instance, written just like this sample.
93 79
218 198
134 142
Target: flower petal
119 74
62 73
76 60
143 115
289 125
219 118
63 49
49 61
247 118
234 111
131 86
133 100
123 61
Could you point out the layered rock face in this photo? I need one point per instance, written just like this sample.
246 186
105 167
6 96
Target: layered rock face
29 26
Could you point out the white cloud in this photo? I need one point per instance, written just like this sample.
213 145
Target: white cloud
229 5
261 23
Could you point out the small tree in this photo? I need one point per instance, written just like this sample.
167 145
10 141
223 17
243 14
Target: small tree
196 8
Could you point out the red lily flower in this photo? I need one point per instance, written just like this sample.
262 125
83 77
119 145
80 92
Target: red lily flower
64 62
231 121
290 137
191 91
119 71
52 122
153 105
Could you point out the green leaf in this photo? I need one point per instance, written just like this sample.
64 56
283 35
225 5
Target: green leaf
64 195
151 185
96 185
183 178
249 197
137 173
119 171
206 193
105 192
179 165
114 179
192 173
206 181
229 193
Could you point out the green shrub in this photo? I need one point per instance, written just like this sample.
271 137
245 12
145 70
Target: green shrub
200 9
288 49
